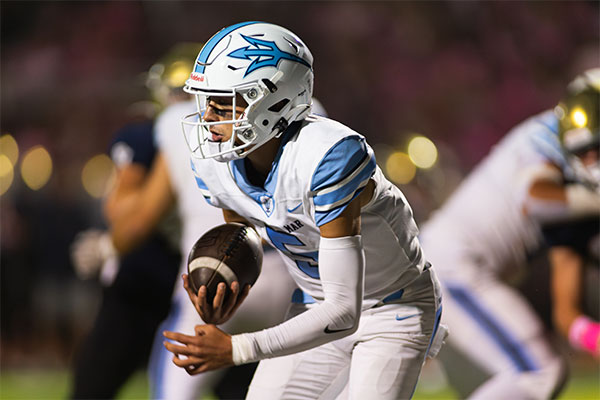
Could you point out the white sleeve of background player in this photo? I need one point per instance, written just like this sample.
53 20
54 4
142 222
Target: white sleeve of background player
341 268
580 200
167 128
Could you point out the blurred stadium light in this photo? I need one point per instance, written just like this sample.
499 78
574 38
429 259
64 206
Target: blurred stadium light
6 173
400 168
36 167
96 175
422 152
9 147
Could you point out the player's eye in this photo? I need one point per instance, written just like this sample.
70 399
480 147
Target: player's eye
221 112
219 109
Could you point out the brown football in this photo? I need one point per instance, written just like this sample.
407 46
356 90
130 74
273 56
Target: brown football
226 253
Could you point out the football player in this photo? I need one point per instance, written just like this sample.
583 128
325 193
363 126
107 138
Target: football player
133 215
368 303
265 305
122 334
484 237
573 235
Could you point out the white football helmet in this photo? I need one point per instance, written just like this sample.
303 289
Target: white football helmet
270 67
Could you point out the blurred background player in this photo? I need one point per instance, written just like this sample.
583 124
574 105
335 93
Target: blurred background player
485 237
572 225
121 337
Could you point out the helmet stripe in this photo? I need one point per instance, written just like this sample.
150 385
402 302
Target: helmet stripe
210 45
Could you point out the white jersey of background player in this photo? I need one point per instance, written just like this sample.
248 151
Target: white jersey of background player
481 239
369 303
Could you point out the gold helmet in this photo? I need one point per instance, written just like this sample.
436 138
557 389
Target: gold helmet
167 76
579 133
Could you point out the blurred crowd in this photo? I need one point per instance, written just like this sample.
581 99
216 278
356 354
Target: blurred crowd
460 73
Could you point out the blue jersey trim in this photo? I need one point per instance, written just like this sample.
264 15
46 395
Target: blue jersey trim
547 143
323 217
258 194
348 156
348 188
510 346
550 123
213 41
394 296
299 297
339 162
200 183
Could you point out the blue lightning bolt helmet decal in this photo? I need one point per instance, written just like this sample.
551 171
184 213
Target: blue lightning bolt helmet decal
266 52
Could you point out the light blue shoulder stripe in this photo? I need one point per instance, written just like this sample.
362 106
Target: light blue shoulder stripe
212 42
340 194
340 161
547 143
323 217
341 175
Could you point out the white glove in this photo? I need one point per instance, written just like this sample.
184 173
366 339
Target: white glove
89 252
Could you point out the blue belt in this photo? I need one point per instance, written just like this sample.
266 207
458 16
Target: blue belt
299 297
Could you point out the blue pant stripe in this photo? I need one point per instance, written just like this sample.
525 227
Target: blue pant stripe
509 346
160 353
438 318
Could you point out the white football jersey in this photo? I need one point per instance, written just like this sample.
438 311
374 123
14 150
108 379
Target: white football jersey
321 166
484 217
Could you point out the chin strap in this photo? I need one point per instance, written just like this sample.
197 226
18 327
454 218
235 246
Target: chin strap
284 121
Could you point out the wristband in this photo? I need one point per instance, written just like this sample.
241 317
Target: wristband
242 351
584 334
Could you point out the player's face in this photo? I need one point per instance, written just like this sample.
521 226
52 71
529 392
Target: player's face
221 109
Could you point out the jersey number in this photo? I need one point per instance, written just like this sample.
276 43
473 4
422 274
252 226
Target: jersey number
307 262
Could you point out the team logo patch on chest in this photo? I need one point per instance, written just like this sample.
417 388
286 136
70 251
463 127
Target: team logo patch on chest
267 204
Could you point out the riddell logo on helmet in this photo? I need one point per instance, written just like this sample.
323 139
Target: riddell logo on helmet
197 77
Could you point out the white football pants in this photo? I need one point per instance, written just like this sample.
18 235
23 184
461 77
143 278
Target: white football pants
381 360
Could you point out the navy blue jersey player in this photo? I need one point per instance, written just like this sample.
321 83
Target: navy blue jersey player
123 331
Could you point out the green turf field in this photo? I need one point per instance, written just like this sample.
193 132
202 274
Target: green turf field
30 384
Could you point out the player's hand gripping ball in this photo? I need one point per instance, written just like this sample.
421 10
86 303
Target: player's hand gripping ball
227 253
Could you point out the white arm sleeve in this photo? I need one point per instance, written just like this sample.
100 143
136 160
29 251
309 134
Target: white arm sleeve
341 268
